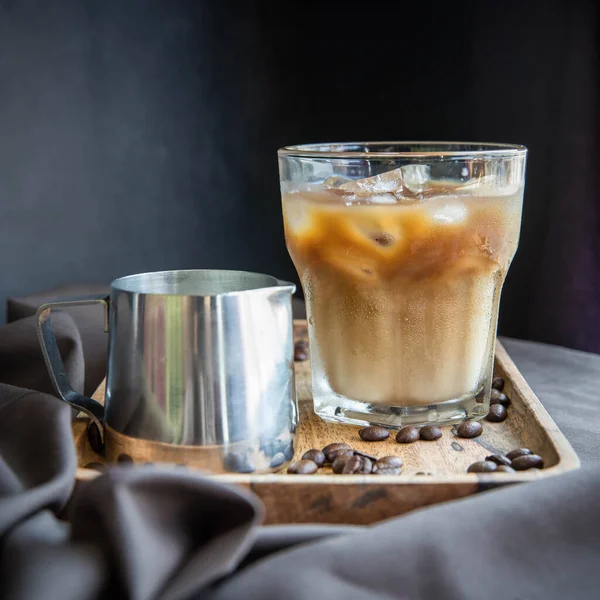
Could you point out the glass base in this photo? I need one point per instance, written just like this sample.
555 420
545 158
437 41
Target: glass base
337 409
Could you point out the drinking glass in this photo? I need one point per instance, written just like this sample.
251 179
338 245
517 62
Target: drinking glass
402 249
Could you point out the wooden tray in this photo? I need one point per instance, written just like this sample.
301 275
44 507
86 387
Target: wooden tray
433 471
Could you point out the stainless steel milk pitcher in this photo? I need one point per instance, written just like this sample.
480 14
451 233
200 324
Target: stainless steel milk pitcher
200 369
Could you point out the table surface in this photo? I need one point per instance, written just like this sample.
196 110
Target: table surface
567 382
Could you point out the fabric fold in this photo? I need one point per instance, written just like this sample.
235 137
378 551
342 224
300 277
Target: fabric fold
166 533
37 458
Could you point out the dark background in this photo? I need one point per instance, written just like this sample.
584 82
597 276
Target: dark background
142 135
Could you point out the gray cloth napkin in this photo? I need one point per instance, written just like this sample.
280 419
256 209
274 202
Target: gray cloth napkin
568 384
150 532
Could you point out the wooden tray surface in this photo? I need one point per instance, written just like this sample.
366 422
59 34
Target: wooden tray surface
433 471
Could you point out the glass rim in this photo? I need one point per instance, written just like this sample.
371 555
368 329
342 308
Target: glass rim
336 150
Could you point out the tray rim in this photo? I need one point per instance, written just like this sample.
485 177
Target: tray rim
568 459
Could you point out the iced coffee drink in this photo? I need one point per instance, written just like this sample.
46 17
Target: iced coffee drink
402 272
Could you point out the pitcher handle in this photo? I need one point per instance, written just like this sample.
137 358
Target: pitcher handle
56 368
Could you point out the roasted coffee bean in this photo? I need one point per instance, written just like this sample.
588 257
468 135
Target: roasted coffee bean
499 398
237 462
469 429
273 446
277 460
497 413
408 435
385 470
96 466
124 459
527 461
302 467
499 459
518 452
288 451
498 384
430 433
388 465
373 434
340 461
278 445
505 469
483 466
357 465
332 450
300 351
392 461
371 458
315 455
267 448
